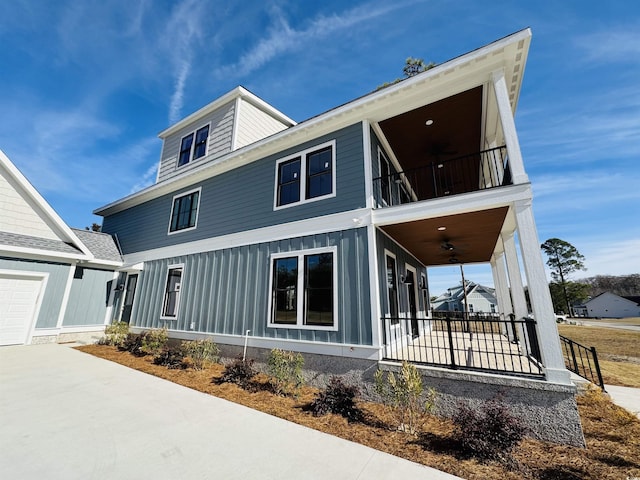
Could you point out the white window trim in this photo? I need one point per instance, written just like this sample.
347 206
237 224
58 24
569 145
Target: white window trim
300 254
173 205
193 145
164 291
303 175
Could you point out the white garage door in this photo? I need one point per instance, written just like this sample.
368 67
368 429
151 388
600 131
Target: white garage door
18 301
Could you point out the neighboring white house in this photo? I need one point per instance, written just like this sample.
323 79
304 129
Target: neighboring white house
480 299
609 305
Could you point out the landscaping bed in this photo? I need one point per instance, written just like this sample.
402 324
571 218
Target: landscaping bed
612 434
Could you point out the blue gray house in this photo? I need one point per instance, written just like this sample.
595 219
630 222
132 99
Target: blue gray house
317 236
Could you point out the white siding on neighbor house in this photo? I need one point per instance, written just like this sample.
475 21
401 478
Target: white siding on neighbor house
481 301
17 216
219 142
254 124
609 305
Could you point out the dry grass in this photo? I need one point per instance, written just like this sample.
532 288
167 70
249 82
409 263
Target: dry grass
612 434
618 351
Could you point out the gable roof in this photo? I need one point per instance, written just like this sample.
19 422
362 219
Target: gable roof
454 76
66 244
633 298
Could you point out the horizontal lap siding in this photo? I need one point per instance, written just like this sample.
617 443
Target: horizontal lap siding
254 125
242 199
52 299
227 291
220 133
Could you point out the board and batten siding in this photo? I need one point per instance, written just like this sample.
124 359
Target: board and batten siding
219 143
227 291
402 259
242 199
53 294
254 124
88 298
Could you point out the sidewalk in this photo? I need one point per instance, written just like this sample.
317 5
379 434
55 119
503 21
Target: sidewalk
625 397
68 415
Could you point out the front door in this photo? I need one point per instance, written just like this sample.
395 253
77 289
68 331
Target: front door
413 304
130 293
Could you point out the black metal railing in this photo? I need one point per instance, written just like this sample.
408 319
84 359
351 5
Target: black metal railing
468 173
582 360
471 341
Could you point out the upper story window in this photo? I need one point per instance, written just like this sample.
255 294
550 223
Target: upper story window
306 176
304 289
193 146
184 212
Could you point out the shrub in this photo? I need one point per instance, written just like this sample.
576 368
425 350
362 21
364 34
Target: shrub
133 344
115 334
489 432
201 352
285 369
338 398
154 341
170 358
240 372
403 396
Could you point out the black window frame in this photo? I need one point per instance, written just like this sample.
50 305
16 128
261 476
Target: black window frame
193 145
185 204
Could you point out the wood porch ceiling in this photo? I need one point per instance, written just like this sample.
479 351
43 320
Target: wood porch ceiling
472 235
455 131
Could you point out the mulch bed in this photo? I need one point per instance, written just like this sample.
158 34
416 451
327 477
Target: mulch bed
612 434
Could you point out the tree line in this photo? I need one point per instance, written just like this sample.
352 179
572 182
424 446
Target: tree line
564 260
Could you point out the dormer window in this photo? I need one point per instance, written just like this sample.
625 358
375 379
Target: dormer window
193 146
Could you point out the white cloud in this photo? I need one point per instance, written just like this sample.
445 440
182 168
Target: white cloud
283 37
619 44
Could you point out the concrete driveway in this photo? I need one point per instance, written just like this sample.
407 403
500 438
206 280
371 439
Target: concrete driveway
67 415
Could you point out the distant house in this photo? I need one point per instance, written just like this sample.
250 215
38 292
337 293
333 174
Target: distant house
55 282
480 299
609 305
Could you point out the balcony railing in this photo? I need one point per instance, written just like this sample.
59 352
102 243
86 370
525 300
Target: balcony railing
582 360
468 173
481 342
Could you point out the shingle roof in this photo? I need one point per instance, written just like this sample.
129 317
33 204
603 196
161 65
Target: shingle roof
101 245
27 241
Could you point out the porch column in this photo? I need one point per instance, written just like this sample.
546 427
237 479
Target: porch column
515 279
516 164
548 338
500 282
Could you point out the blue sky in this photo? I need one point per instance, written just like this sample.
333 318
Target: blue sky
86 86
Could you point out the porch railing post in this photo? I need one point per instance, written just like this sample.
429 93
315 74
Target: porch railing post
597 365
452 351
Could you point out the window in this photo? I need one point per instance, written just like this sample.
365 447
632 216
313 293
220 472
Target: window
303 290
306 176
172 292
392 288
190 150
184 212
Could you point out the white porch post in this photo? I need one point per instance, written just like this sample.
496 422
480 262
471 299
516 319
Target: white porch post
516 164
515 279
539 295
500 282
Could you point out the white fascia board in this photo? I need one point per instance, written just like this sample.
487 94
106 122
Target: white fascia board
455 205
454 76
328 223
48 214
37 254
